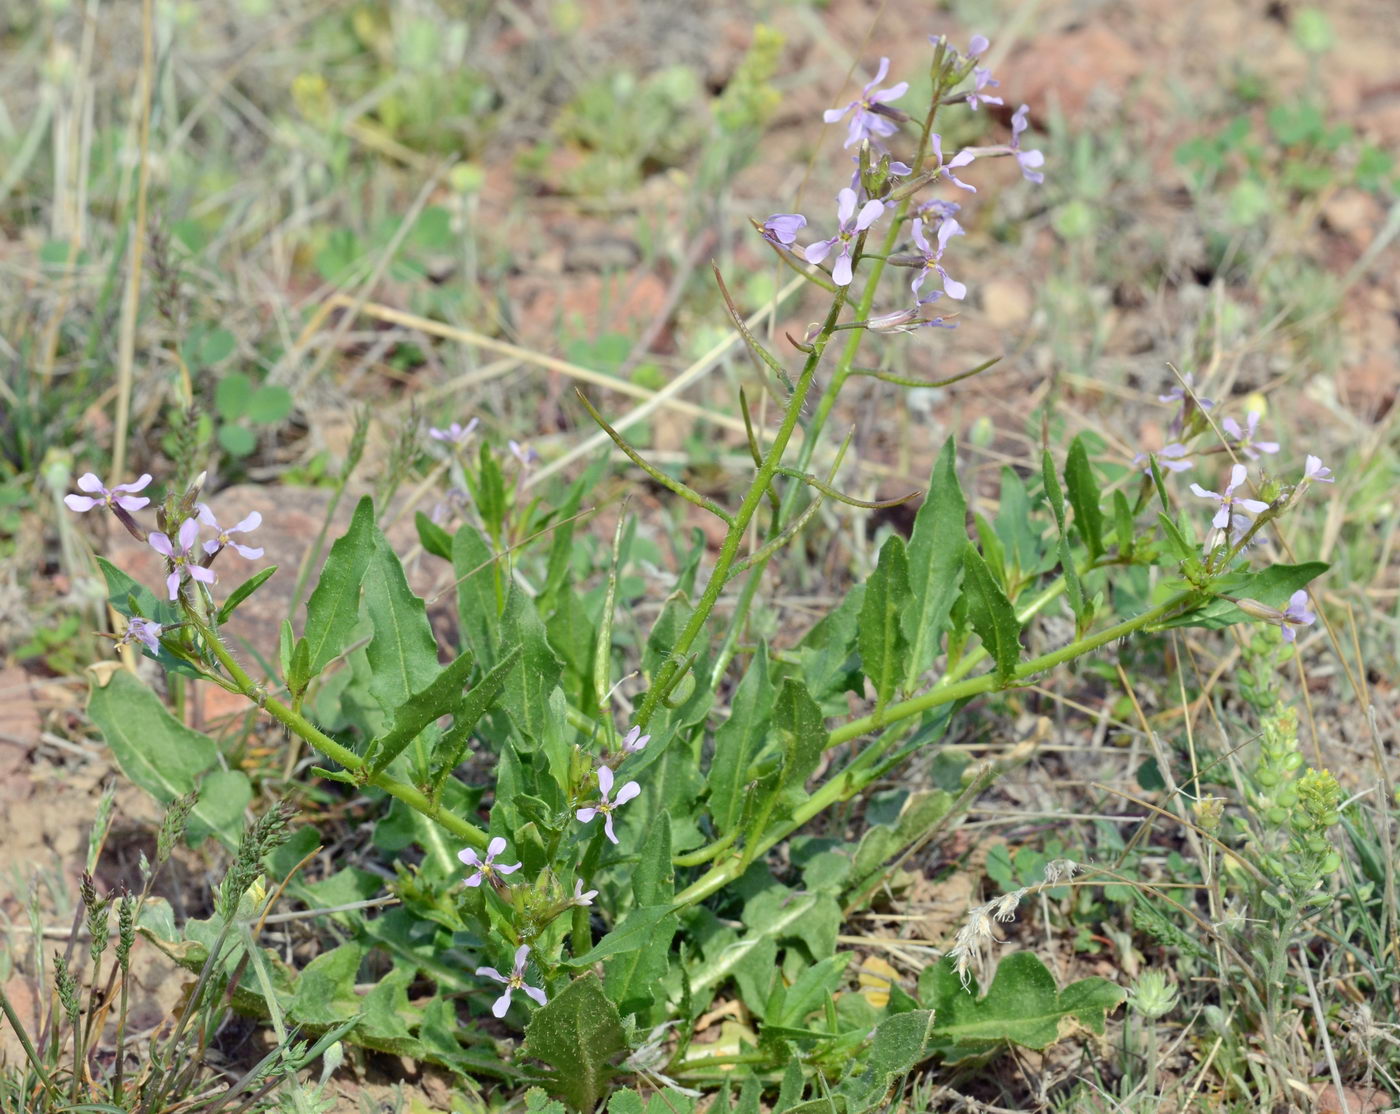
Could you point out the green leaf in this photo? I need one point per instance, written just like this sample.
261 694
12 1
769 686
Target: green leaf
1022 1006
801 731
935 563
578 1033
1272 587
325 989
452 748
526 697
231 396
168 759
630 978
403 651
898 1045
443 694
1016 528
334 607
921 812
775 914
991 615
1073 589
242 592
1084 497
631 933
738 740
884 651
237 440
268 404
433 537
478 608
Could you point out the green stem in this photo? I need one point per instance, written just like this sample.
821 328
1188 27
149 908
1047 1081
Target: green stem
29 1051
729 550
301 726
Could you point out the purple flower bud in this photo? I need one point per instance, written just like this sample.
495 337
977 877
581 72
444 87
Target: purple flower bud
781 228
1296 614
455 434
977 46
634 742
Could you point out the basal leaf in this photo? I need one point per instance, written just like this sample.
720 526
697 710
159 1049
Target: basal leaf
935 563
334 607
168 759
738 740
897 1046
991 615
884 651
578 1034
325 989
801 732
630 978
1022 1006
528 685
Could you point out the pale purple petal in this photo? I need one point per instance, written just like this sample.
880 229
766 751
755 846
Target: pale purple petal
1197 489
189 530
495 847
955 290
893 93
161 544
841 270
869 214
831 115
1222 517
203 575
920 240
1253 506
815 253
605 781
138 484
172 583
473 882
1232 427
783 227
80 503
845 205
586 814
252 522
536 993
248 551
502 1004
88 481
880 73
977 45
492 973
1238 474
206 516
131 502
521 954
626 793
608 828
502 868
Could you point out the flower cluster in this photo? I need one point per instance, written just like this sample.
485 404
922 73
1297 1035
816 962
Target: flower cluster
186 558
882 185
493 872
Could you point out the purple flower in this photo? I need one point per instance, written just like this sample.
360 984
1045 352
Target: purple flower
523 453
582 897
781 228
1228 502
1244 438
1185 392
606 807
872 120
939 208
513 982
222 536
932 257
976 46
851 223
1316 471
100 496
455 434
1170 459
982 79
962 158
1030 161
486 868
634 742
1296 614
182 559
143 631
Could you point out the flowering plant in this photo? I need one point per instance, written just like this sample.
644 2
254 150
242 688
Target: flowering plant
722 750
